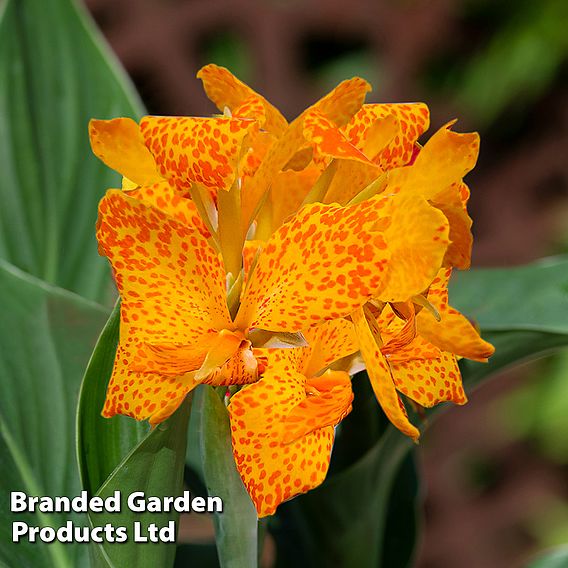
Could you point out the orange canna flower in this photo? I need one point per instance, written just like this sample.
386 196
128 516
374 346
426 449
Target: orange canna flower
243 239
175 321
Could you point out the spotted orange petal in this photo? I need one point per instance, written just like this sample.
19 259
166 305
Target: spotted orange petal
321 265
288 192
225 90
350 178
338 106
143 396
381 378
170 279
417 238
328 140
327 404
328 342
272 470
450 202
119 144
418 348
454 333
445 159
430 381
197 150
164 197
412 120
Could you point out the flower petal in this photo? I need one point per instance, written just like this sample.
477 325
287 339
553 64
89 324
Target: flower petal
328 342
445 159
412 120
329 404
328 140
418 238
350 178
431 381
196 150
321 265
119 144
338 106
225 90
381 377
170 279
165 198
141 395
272 470
288 192
450 202
454 333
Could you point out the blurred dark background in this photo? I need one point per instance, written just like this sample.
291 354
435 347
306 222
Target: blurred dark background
496 471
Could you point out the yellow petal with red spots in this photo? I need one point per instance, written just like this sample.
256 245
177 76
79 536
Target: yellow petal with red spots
412 120
328 140
226 344
381 377
251 107
344 101
272 470
119 144
143 396
327 404
404 336
418 348
430 381
417 238
454 333
321 265
350 178
338 106
288 192
328 342
171 281
450 202
225 90
197 150
353 176
445 159
241 369
164 197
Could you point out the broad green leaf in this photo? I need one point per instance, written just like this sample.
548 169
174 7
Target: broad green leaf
511 348
47 335
55 74
530 297
102 443
557 558
155 467
521 310
237 527
342 522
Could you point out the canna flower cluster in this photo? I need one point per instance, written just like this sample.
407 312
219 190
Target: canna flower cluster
278 258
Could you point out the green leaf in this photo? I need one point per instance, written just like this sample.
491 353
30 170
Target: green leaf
342 522
154 467
557 558
47 335
237 527
530 297
55 74
521 310
102 443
